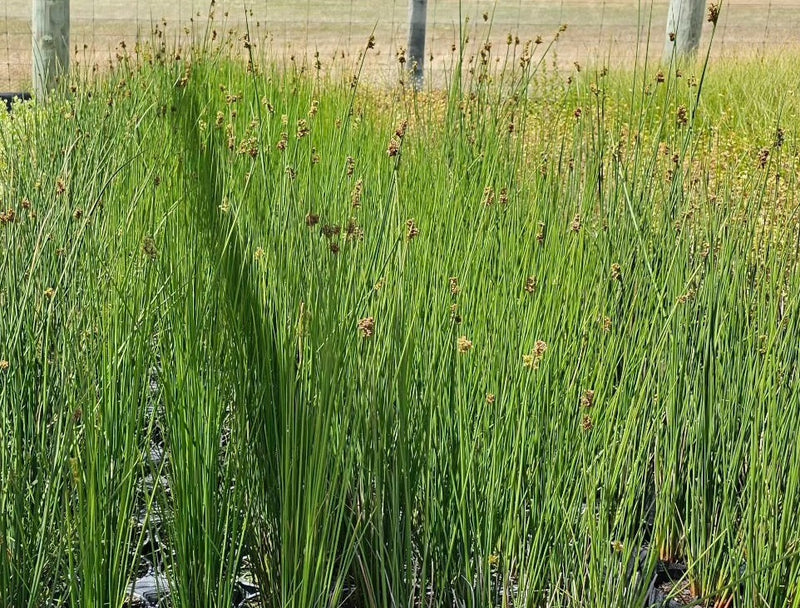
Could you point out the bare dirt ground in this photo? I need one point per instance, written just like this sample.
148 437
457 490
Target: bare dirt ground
599 31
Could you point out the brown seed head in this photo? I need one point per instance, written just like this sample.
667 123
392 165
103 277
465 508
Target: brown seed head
400 131
616 272
4 365
540 234
411 229
576 223
312 219
302 128
353 232
503 198
682 116
587 399
763 157
490 398
531 283
366 327
587 424
713 12
455 288
329 231
356 194
464 345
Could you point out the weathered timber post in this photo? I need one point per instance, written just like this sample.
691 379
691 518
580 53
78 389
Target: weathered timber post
50 45
417 22
684 26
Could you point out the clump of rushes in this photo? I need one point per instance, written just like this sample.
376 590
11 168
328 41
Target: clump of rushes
191 377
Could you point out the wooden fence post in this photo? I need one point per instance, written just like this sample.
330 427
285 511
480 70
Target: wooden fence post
50 45
417 22
684 26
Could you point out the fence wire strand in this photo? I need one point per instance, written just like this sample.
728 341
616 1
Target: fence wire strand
328 26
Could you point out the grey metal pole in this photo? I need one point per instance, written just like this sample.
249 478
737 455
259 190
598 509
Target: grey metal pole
684 26
50 45
417 22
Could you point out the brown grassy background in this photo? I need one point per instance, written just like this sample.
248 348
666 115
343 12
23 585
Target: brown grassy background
598 31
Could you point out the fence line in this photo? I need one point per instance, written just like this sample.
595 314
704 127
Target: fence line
600 28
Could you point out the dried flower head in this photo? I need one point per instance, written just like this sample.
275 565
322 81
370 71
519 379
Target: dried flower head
534 358
606 323
371 42
49 293
394 147
302 128
7 217
587 424
329 231
379 285
576 223
366 327
351 166
587 399
4 365
283 141
334 247
503 199
357 193
531 284
540 234
682 116
660 76
312 220
779 139
763 157
454 316
61 187
400 131
464 345
617 546
411 229
490 398
488 196
616 272
455 288
353 232
713 12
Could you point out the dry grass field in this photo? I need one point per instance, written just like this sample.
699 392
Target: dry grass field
599 30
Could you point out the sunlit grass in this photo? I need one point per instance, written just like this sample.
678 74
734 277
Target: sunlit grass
509 344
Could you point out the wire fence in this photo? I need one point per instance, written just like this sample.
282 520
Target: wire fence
598 30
